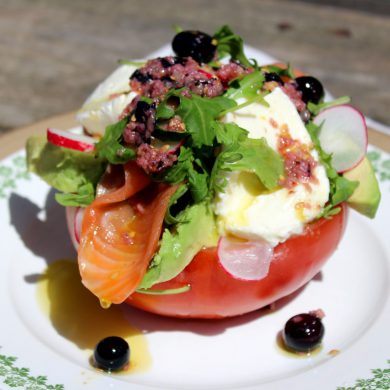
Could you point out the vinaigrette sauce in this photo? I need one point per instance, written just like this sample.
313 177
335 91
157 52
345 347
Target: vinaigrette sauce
77 315
288 352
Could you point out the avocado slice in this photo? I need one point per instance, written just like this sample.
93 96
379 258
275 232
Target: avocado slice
366 197
196 230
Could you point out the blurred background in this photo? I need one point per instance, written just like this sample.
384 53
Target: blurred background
53 52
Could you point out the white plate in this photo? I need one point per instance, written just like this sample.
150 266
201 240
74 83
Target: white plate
42 347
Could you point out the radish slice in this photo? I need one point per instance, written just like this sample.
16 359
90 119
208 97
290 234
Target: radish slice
245 260
343 134
74 218
66 139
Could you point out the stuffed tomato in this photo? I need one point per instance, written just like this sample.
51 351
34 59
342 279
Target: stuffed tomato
200 186
215 293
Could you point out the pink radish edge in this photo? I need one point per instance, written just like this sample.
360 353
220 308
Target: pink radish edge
245 260
344 135
74 218
66 139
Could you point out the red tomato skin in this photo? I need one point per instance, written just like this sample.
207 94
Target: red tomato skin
216 294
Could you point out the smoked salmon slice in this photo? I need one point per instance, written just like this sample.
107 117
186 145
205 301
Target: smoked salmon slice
120 182
120 234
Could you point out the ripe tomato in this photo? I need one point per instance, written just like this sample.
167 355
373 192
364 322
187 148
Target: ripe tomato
216 294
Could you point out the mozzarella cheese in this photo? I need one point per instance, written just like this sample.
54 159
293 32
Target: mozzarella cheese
244 209
106 103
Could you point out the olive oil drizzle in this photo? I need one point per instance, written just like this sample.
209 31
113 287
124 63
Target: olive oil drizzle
76 314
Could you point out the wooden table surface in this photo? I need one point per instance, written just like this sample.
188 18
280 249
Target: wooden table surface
53 52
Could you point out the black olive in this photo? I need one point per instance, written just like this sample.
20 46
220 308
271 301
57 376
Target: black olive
312 90
272 76
180 60
195 44
165 63
112 353
303 332
141 111
139 76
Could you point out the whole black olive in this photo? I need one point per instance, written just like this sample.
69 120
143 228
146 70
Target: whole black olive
112 353
312 90
303 332
195 44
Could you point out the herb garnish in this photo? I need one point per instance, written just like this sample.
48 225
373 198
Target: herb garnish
230 44
110 146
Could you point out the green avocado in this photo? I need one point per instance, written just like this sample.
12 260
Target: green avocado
179 245
366 197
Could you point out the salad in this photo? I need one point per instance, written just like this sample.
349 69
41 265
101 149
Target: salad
204 185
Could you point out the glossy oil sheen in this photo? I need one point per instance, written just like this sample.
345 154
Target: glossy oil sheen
78 316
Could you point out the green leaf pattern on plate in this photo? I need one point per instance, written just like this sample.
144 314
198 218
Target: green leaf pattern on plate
381 163
380 380
20 377
11 173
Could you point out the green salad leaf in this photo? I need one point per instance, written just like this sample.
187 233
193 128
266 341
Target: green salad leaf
84 196
69 171
256 99
110 147
340 187
230 44
189 169
289 71
198 113
250 155
229 133
164 110
316 108
247 87
170 216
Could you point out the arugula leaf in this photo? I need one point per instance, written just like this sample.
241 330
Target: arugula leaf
340 187
110 148
178 172
230 44
169 218
198 114
168 291
164 110
252 155
229 133
257 99
246 87
198 184
83 197
138 64
190 169
316 108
